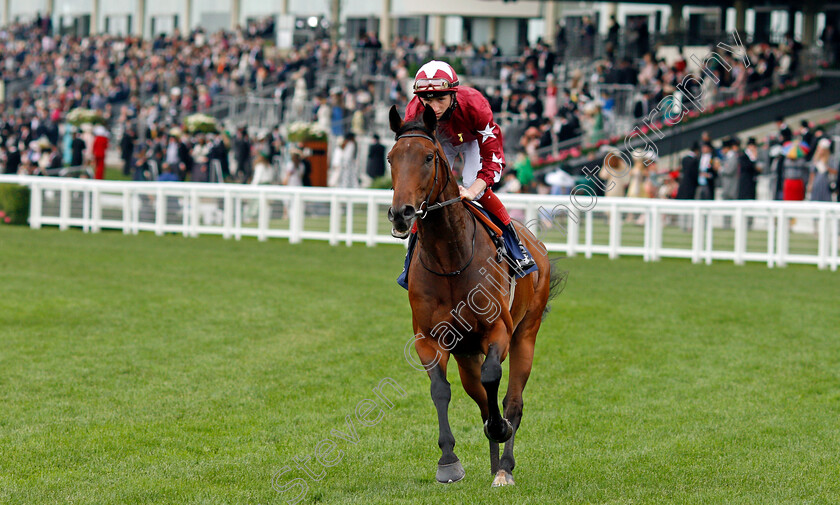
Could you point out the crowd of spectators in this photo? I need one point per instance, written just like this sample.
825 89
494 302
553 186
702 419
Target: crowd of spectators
586 107
131 83
799 164
144 88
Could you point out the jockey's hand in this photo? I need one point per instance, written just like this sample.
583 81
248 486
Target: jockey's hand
465 193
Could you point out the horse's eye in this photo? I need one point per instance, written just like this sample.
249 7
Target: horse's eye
429 158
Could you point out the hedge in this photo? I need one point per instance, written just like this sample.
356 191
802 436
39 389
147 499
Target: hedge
14 204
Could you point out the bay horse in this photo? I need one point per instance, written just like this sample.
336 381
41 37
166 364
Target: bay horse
459 301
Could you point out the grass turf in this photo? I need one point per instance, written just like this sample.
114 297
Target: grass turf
144 369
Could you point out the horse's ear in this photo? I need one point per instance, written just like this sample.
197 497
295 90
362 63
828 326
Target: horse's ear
395 119
429 119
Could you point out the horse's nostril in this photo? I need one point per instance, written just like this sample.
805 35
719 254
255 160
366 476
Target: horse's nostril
408 212
391 214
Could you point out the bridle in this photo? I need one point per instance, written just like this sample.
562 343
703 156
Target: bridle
425 208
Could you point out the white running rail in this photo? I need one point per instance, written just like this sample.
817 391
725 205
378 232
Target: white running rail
777 233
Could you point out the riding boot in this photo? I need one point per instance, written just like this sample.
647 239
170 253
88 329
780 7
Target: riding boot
527 261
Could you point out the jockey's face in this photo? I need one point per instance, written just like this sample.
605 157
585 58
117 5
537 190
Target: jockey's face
439 104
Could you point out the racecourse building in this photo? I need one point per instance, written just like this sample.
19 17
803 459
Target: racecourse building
510 24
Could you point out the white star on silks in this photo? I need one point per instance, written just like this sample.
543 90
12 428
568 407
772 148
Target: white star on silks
487 133
434 66
495 159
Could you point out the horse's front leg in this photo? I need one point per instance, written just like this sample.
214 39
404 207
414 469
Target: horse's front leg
497 428
435 360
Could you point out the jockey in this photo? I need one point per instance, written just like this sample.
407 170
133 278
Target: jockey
465 125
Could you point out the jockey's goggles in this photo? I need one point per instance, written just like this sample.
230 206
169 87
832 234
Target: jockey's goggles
432 85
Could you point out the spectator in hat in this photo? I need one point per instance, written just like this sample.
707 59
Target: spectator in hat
242 155
729 169
613 32
348 170
615 174
747 172
77 148
785 132
708 166
819 184
752 149
127 148
53 158
263 171
530 141
689 174
376 158
100 147
336 114
297 169
187 161
640 185
67 145
13 158
776 169
218 153
642 106
807 135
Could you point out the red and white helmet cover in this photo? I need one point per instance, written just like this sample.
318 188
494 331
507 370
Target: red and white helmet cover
435 78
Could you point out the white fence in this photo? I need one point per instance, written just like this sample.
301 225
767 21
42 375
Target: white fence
778 233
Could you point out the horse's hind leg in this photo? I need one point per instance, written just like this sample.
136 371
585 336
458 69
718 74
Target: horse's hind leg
521 358
469 366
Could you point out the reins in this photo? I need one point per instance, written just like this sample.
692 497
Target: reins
437 206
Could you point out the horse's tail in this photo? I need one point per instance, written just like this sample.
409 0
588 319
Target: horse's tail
556 283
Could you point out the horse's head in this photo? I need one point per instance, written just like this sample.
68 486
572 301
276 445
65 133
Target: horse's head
417 170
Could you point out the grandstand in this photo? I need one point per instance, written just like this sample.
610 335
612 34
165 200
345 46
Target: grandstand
214 100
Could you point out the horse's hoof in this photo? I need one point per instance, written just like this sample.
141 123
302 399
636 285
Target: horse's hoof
508 432
503 479
447 474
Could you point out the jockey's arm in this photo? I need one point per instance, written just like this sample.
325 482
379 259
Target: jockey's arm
489 139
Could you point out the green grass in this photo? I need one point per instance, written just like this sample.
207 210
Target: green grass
144 369
115 173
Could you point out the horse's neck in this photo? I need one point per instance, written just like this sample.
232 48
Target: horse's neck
446 234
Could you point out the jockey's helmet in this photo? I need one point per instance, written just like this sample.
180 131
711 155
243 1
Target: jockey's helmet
435 78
